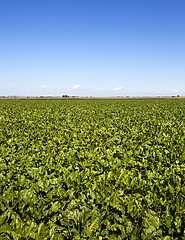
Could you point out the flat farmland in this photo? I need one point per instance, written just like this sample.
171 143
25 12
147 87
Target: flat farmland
92 169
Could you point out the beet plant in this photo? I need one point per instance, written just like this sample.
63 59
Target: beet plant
92 169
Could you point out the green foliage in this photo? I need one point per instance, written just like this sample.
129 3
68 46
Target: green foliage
92 169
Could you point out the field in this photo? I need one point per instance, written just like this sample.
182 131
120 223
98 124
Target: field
92 169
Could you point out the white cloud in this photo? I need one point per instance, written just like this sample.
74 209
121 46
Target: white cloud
175 91
117 89
75 87
44 86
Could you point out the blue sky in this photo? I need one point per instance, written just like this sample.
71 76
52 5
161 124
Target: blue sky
92 47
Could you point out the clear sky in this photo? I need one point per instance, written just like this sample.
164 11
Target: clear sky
92 47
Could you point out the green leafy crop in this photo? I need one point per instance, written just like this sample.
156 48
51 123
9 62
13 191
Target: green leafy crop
92 169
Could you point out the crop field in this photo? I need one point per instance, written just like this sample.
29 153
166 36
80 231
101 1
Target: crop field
92 169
